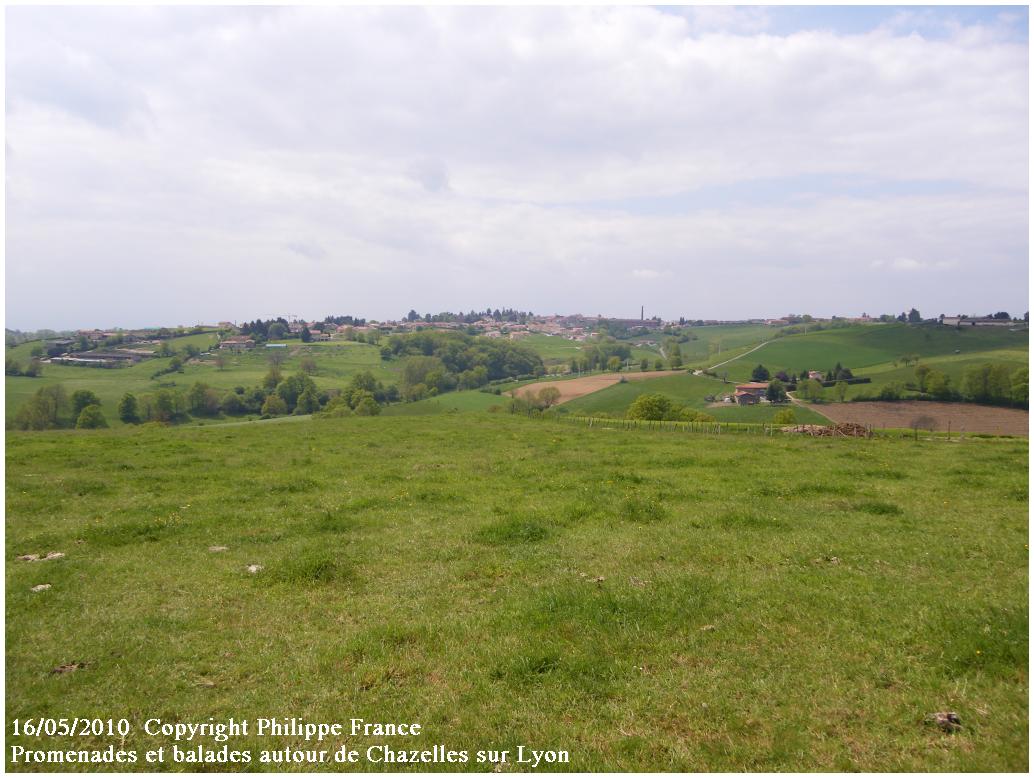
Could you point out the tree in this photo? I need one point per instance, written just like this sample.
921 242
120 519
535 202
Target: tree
937 385
220 361
922 423
367 407
272 378
914 317
840 390
91 418
276 357
1018 388
34 369
776 392
306 335
233 404
810 389
81 398
202 400
43 411
922 375
165 349
274 406
614 364
291 388
276 331
127 409
166 406
549 396
975 383
760 373
658 364
890 392
308 365
650 407
644 364
308 401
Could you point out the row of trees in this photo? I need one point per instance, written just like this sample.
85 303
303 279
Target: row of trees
52 408
996 384
506 314
658 407
33 369
838 373
437 362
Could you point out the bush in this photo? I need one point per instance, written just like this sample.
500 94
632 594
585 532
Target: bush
128 410
785 416
274 406
91 418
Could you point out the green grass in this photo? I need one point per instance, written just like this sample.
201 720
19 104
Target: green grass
646 600
336 363
866 348
450 402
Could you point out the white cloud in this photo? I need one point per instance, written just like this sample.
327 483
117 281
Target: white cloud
404 142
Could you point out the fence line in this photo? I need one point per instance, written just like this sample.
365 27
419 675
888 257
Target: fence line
703 427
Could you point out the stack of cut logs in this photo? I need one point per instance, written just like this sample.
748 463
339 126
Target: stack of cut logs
845 430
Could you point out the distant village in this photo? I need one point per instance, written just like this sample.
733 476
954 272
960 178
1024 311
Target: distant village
117 347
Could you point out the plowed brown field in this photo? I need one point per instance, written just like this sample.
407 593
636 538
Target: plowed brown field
963 417
579 387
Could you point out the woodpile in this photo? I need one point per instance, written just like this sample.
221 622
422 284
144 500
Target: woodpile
843 430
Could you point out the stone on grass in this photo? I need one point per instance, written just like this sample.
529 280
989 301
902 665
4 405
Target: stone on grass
216 549
71 667
40 587
254 568
947 720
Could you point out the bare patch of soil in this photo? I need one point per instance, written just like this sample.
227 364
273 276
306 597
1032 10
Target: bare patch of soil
963 417
579 387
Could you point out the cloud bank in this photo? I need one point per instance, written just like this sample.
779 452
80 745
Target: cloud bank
180 165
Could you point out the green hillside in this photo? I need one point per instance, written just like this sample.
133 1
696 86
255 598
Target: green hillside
336 363
865 347
643 600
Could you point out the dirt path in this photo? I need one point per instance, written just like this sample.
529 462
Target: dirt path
963 417
579 387
760 345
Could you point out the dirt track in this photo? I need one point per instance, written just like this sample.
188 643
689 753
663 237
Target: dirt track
962 416
579 387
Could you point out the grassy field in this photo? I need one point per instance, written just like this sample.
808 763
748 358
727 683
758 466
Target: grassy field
874 347
336 363
685 389
645 600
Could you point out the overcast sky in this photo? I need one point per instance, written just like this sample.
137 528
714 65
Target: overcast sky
184 165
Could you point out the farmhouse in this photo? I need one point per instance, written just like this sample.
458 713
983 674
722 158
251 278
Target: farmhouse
750 393
976 321
237 341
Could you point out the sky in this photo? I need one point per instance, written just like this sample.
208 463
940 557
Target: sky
181 165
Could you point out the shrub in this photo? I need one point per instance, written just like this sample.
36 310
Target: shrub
91 418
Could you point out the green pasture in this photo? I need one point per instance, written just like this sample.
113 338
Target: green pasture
336 363
450 402
866 347
646 600
685 389
719 342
